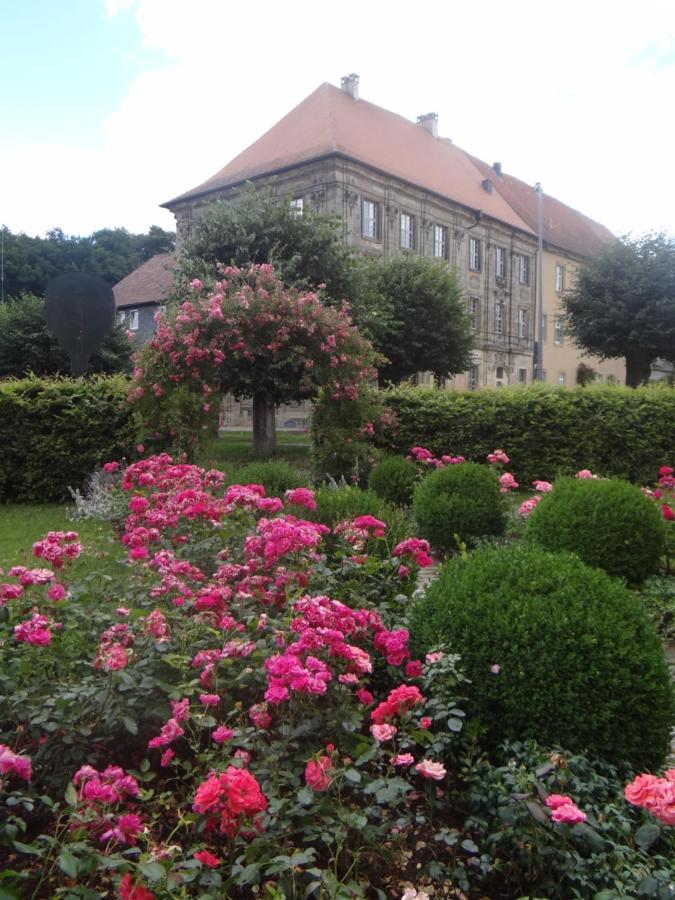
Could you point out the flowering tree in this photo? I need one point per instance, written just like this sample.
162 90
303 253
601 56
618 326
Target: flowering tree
252 337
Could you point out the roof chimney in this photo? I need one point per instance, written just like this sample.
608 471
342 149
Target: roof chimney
429 121
350 84
487 185
497 169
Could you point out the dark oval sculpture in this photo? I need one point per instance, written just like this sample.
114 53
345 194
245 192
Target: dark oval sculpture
80 312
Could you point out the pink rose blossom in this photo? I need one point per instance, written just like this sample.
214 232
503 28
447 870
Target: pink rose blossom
403 759
430 769
568 814
209 699
383 733
364 696
166 758
495 668
221 734
543 486
14 764
57 592
318 773
207 859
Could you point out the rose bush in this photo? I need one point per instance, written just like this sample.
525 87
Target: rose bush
235 711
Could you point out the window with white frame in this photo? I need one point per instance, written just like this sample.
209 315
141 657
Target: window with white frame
557 330
523 269
500 263
522 376
407 235
562 378
133 320
161 309
370 219
522 322
499 317
474 254
559 278
474 307
297 205
472 377
121 317
544 327
440 241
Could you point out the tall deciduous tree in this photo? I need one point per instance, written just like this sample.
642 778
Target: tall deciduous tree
623 304
251 337
415 311
112 253
305 247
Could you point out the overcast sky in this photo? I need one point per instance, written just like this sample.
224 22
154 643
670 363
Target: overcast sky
111 107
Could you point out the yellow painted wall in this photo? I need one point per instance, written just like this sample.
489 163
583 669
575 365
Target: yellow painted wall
562 358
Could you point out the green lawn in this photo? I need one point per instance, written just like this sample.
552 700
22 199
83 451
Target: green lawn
21 525
236 448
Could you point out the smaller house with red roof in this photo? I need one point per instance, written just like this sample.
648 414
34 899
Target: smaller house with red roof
143 293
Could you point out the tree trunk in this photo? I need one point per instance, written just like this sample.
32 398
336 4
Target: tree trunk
638 368
264 426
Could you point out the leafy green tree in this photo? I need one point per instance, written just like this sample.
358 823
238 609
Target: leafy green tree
26 345
305 248
415 312
29 262
623 303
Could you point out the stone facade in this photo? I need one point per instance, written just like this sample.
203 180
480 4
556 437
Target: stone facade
372 208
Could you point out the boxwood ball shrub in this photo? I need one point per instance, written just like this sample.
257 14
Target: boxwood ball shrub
394 480
609 524
275 476
459 502
555 651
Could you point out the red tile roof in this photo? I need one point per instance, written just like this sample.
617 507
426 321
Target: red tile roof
150 283
330 121
564 227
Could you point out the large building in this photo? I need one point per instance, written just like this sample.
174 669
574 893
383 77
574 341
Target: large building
398 187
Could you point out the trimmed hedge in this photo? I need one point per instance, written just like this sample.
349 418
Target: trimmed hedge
609 524
579 663
546 431
55 431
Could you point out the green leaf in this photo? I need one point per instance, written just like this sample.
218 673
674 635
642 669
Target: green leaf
647 835
249 875
152 870
353 775
71 795
469 846
26 848
536 810
68 863
305 797
130 724
455 724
